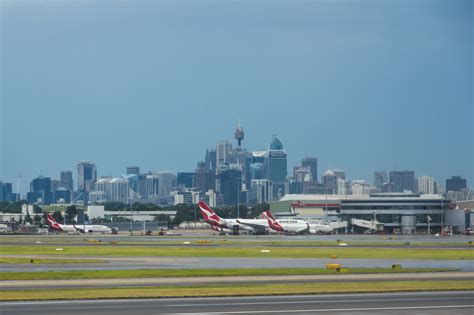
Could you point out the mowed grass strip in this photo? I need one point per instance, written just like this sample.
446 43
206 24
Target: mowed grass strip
49 261
275 241
235 290
274 252
159 273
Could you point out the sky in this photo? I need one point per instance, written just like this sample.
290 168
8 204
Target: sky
361 85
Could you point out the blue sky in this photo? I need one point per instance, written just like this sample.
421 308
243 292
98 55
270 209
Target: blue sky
362 85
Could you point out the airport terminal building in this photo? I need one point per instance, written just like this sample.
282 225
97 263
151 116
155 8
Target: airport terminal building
404 213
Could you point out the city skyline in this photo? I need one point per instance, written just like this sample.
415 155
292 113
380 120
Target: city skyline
367 92
320 170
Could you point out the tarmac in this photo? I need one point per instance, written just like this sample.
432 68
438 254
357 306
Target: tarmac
435 303
127 263
225 280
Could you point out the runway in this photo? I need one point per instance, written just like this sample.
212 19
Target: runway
437 303
224 280
126 263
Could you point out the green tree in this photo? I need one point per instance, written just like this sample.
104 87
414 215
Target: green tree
71 213
37 219
257 210
27 218
185 212
58 216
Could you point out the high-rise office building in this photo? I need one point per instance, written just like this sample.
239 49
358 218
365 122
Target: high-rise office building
119 190
231 185
360 187
456 183
223 153
103 185
185 179
66 180
330 181
343 186
312 163
204 178
340 173
261 191
87 176
40 190
402 180
61 194
210 160
166 183
6 193
302 174
425 185
55 184
133 170
276 167
380 178
152 183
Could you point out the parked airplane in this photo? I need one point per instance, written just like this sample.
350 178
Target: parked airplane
252 225
55 226
316 228
287 226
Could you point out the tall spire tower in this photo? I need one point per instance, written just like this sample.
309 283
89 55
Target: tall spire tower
239 134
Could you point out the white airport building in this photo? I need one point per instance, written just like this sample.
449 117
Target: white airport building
404 213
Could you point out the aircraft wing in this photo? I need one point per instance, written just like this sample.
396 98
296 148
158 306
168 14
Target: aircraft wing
252 224
78 229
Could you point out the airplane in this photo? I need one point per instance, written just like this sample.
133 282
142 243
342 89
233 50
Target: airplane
55 226
217 223
287 226
316 228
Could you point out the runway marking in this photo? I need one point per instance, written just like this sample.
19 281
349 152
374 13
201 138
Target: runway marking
145 305
334 310
317 301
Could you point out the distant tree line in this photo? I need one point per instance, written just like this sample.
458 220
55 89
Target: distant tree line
15 207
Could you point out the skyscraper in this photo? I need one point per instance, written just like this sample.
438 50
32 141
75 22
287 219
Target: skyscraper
223 150
231 185
185 179
276 167
456 183
312 163
133 170
204 179
40 188
6 193
402 180
166 182
330 181
210 160
425 185
380 178
151 185
261 191
87 175
119 190
66 180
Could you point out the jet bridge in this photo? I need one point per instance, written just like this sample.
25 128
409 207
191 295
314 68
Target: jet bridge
371 226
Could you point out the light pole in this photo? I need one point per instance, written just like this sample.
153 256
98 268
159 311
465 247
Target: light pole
131 218
194 206
428 218
238 198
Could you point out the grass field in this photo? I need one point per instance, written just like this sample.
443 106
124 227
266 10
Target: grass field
111 274
275 252
49 261
234 290
104 239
